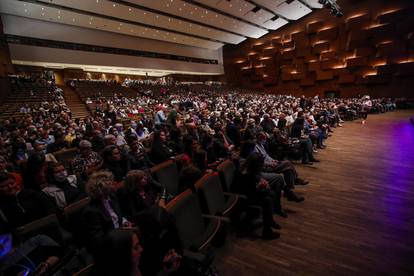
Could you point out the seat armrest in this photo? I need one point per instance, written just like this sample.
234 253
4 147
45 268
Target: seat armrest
223 219
194 256
238 195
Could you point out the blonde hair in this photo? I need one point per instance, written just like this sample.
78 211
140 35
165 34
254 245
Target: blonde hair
132 178
99 184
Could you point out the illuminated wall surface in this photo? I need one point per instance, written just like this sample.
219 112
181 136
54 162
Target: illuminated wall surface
369 50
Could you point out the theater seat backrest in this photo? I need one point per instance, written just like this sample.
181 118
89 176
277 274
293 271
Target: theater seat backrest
211 194
227 171
167 175
187 214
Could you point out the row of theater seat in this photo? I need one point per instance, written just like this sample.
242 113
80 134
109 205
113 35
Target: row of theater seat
201 215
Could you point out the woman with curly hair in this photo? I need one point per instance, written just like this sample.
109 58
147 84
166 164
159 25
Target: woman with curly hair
103 213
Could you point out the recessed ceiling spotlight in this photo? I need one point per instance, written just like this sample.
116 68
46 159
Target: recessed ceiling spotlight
114 5
130 9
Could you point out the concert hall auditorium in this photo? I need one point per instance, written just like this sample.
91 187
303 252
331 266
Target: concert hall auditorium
206 137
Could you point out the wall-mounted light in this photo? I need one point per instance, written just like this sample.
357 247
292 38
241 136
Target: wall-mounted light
406 61
390 11
376 25
339 66
371 73
319 42
385 42
325 28
355 16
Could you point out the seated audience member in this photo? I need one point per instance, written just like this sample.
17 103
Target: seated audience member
116 162
160 150
159 118
137 195
138 155
267 124
141 131
87 161
40 148
58 144
315 132
121 255
36 256
141 203
98 141
189 175
283 167
282 137
103 213
21 206
258 191
61 187
34 176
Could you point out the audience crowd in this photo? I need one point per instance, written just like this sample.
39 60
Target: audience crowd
113 151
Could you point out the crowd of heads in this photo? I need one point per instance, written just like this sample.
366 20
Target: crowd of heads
198 126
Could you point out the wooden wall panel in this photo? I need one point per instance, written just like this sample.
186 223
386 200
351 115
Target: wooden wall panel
357 62
327 34
320 46
322 52
324 75
358 21
313 27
